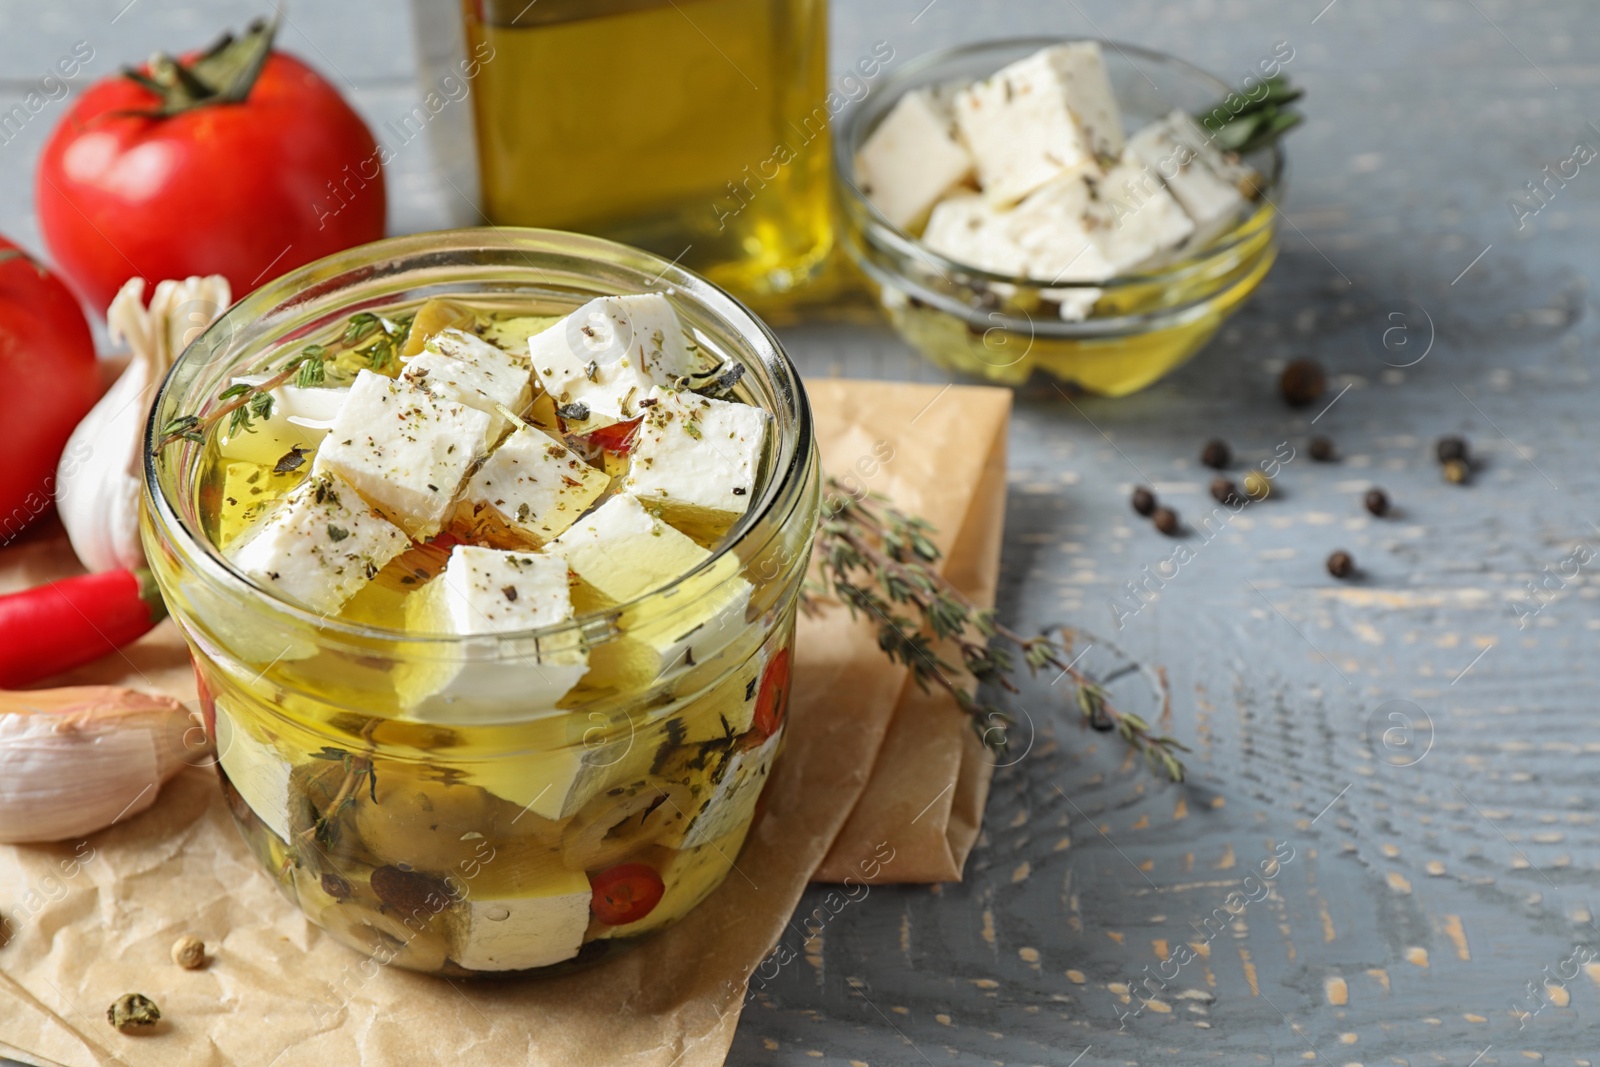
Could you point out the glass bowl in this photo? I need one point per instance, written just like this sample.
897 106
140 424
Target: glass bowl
478 845
1001 328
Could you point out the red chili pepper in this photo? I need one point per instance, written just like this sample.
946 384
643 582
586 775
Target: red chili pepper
616 438
66 624
625 893
772 703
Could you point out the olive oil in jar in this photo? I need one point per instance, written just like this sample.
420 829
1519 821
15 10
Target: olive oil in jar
691 128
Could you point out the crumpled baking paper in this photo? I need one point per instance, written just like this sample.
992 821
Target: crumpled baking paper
878 782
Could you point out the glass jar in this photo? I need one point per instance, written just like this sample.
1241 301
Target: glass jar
697 129
1001 328
464 847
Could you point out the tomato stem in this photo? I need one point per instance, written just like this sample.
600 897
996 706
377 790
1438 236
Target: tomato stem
222 74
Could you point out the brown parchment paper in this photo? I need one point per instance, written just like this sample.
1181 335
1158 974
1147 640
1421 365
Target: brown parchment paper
86 921
931 781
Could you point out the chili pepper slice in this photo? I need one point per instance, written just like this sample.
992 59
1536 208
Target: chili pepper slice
772 703
625 893
616 438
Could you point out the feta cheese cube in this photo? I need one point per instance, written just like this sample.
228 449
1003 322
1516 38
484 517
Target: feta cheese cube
1080 70
528 915
730 804
604 358
318 545
970 230
530 489
728 710
1211 201
1228 167
485 592
696 459
1053 231
473 372
569 764
405 449
300 417
1040 118
620 552
1126 213
1141 225
912 159
258 773
1060 248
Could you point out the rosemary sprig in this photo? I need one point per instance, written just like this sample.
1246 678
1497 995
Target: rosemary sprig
879 563
1261 121
367 340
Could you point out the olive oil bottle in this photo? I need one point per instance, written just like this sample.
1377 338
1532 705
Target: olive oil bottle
691 128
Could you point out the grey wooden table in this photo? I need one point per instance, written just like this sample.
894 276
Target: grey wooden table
1410 754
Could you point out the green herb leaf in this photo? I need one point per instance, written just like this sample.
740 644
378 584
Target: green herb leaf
882 564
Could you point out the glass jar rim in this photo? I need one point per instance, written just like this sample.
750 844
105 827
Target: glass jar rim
849 131
315 290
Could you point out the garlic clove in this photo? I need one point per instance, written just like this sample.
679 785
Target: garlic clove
99 478
76 760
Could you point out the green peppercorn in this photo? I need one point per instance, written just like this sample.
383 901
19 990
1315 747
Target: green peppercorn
1257 486
1144 501
1340 565
1223 491
1302 382
1216 454
1166 521
1450 448
1457 471
133 1013
1321 450
1377 502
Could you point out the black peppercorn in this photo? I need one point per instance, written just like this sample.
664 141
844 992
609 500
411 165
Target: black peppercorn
1144 501
1451 448
1340 565
1166 521
1321 450
1457 471
1224 491
1302 382
1377 502
1216 454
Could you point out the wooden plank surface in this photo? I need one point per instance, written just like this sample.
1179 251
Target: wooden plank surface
1426 754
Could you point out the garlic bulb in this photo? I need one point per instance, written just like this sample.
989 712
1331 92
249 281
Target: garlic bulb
76 760
99 478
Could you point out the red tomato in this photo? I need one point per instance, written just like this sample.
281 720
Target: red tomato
616 438
773 700
247 190
47 358
625 893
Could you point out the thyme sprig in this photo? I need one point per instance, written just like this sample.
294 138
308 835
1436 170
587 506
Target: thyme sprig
881 563
367 340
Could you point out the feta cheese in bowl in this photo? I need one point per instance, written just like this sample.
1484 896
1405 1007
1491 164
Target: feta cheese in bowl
1041 206
495 649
